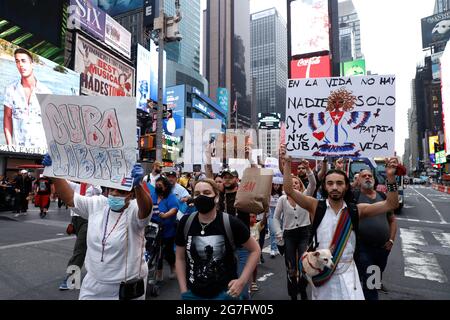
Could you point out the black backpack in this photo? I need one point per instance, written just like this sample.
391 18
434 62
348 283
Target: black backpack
318 217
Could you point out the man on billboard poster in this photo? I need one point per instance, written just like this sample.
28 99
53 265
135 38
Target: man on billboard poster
22 122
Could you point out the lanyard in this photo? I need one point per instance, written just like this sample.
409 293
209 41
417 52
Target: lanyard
105 237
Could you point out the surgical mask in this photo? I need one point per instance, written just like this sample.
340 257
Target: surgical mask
204 204
116 203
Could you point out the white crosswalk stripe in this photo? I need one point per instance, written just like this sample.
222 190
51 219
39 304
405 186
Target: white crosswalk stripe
443 238
418 263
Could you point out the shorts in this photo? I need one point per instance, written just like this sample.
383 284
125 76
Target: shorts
42 200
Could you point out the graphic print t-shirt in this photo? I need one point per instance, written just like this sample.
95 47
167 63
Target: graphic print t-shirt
210 260
43 186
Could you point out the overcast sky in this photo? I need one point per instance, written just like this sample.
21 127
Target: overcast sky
391 43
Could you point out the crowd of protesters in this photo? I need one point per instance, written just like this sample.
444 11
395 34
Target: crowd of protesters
212 248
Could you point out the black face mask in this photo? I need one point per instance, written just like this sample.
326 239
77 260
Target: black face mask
159 190
157 171
231 187
204 204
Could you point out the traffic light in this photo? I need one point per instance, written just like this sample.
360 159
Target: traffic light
147 142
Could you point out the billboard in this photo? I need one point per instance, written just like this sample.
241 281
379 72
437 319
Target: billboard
173 124
143 67
353 68
101 73
309 26
117 37
440 157
87 17
22 129
116 7
435 28
223 99
29 17
445 83
154 70
269 120
314 67
431 141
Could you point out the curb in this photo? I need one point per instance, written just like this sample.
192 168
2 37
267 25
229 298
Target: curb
441 188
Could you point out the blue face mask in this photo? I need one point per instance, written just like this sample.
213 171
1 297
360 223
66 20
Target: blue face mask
116 203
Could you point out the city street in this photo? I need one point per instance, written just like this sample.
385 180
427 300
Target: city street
34 254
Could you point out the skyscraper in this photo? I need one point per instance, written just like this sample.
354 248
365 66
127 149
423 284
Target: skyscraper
269 60
227 55
349 32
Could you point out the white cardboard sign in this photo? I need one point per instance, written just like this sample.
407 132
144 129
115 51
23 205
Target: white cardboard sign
348 117
90 139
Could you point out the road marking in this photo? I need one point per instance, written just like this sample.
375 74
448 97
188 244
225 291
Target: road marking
432 204
443 238
18 245
264 277
422 221
419 264
50 223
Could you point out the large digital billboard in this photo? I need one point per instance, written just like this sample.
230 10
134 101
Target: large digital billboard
314 67
445 83
353 68
435 29
173 124
309 26
101 73
21 78
116 7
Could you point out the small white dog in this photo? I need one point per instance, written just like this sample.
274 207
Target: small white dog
314 262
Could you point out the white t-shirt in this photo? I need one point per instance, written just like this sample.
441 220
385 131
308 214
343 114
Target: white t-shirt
112 269
152 178
179 191
27 121
90 192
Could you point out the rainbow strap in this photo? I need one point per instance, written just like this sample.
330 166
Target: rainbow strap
341 235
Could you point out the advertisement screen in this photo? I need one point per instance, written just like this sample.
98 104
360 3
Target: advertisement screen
117 37
314 67
223 99
354 68
116 7
310 26
101 73
445 82
28 16
154 69
23 122
143 68
435 29
176 101
87 17
431 141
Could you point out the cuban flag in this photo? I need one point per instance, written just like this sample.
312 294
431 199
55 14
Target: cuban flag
127 182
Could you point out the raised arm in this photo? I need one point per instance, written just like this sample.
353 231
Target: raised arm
391 202
208 165
323 170
143 198
307 203
311 179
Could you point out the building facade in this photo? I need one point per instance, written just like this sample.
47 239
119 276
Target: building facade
441 6
227 56
349 32
269 60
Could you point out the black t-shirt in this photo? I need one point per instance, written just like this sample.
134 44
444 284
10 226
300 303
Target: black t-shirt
226 204
43 186
210 260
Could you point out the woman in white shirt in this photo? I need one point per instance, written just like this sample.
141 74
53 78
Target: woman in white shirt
295 233
115 236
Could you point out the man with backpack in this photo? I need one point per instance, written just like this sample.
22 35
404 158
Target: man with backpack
335 222
376 234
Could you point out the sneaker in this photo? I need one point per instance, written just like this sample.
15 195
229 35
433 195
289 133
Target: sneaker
262 259
63 286
254 287
272 254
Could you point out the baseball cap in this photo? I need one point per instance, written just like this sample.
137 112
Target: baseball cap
233 172
171 173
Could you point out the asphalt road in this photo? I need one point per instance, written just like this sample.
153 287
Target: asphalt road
34 254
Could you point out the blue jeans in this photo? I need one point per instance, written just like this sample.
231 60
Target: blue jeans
188 295
368 256
243 254
273 239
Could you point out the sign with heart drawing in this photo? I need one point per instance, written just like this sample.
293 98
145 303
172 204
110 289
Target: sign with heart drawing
345 117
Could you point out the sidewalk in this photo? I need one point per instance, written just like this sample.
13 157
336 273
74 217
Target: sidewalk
54 213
